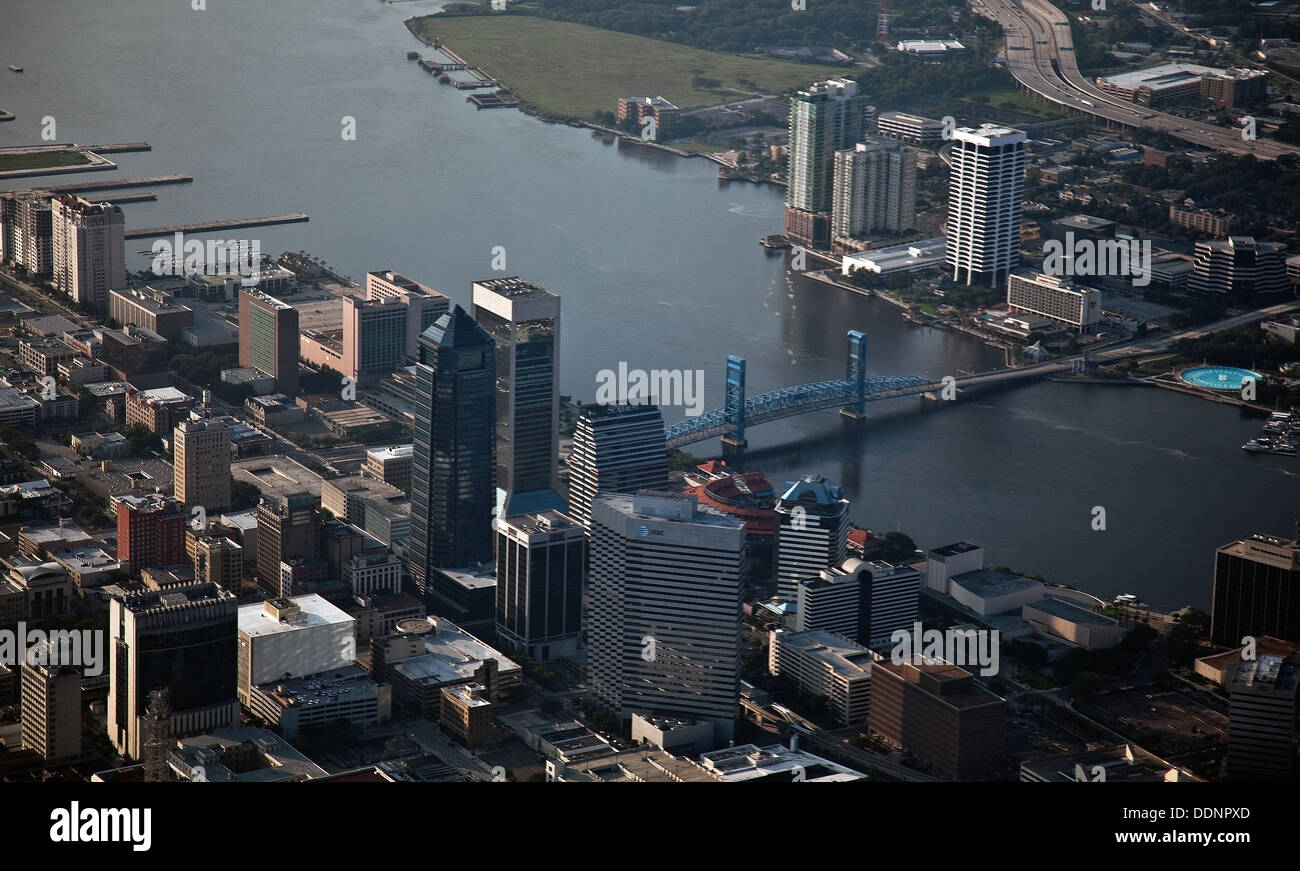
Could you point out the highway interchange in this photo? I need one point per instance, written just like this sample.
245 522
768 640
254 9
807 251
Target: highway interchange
1040 54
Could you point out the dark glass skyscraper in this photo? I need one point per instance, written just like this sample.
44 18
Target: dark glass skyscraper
454 458
524 323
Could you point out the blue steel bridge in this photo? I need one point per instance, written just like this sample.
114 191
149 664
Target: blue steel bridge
850 395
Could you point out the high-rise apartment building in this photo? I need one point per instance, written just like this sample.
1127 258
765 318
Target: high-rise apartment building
812 531
665 621
424 305
984 193
825 118
374 338
1239 267
1256 590
150 530
180 640
452 465
50 706
288 529
201 463
541 565
524 323
269 339
616 449
27 230
88 248
874 189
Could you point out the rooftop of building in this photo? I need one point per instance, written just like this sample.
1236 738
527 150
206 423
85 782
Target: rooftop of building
1083 222
813 489
748 762
312 612
164 396
953 549
145 601
901 256
351 683
148 503
278 760
392 452
991 583
909 118
1071 611
844 658
1122 763
450 653
1267 674
514 287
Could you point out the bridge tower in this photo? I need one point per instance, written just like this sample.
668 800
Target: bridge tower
856 374
734 442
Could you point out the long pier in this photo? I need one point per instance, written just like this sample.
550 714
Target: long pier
144 181
118 147
137 197
211 226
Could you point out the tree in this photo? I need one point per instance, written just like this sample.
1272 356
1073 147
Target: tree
896 547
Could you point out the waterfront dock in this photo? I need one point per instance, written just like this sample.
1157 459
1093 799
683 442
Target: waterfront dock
213 226
144 181
137 197
495 100
119 147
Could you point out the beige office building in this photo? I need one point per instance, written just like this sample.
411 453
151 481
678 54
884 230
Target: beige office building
201 465
89 248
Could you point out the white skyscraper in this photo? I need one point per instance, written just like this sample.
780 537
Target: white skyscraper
874 190
984 191
616 449
812 534
665 620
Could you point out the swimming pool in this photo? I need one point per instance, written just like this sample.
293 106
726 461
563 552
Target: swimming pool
1219 377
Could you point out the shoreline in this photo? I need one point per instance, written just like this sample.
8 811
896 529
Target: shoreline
590 125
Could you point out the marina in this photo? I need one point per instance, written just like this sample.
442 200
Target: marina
1279 436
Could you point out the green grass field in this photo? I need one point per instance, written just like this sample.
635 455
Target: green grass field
570 70
41 160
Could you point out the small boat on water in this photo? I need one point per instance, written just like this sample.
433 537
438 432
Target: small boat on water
1285 449
1258 446
15 68
775 241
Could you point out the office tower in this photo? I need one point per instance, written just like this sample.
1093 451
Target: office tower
524 323
201 463
215 558
541 563
452 492
291 637
150 530
391 464
50 708
824 664
269 339
182 640
424 305
1256 590
1238 267
374 338
1262 718
926 132
89 249
825 118
812 531
984 191
665 593
861 601
874 189
288 530
616 449
940 715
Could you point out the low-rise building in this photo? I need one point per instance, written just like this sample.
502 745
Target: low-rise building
828 665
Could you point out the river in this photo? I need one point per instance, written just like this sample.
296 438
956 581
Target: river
658 266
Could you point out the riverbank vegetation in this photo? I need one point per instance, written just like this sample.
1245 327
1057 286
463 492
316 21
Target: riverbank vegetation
566 71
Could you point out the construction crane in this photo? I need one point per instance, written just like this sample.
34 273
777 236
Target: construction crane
882 23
